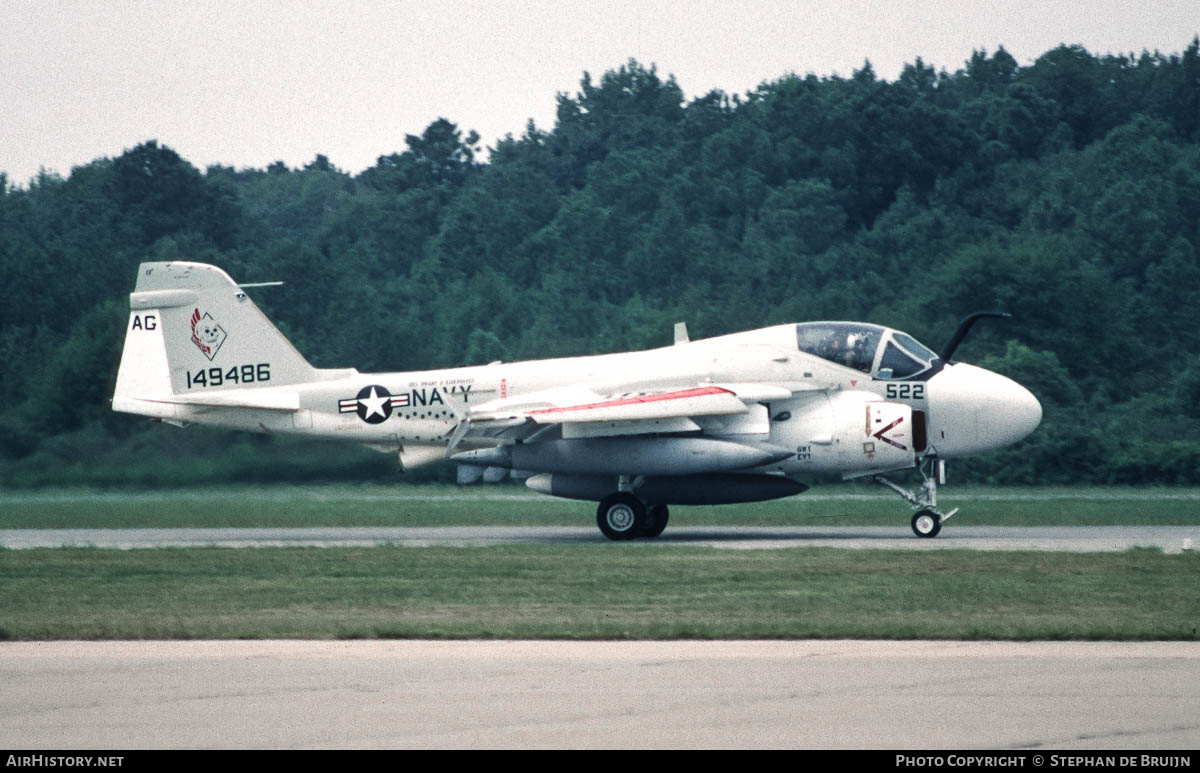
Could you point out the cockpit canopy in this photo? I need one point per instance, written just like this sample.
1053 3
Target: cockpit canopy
882 352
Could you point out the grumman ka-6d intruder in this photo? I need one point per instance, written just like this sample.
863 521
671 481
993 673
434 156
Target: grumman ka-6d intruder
717 421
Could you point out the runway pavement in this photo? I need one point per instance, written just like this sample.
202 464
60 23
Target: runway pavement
676 694
651 694
1170 539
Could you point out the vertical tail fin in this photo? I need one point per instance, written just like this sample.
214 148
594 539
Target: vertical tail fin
192 330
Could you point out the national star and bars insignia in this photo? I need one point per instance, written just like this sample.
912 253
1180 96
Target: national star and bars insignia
373 404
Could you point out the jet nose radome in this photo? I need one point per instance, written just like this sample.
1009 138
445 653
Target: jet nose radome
973 410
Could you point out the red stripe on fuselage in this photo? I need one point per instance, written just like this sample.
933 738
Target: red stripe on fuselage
698 392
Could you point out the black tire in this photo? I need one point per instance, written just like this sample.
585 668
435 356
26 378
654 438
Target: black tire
927 523
656 520
621 516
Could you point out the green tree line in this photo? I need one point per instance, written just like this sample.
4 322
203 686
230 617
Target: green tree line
1066 192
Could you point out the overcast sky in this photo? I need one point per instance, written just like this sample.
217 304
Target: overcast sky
245 82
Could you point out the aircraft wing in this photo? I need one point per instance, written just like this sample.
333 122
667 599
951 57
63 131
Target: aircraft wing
582 412
698 401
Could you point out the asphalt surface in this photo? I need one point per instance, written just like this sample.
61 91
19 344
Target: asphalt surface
680 694
674 694
1169 539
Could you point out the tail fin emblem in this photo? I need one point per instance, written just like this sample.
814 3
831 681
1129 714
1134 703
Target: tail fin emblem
207 335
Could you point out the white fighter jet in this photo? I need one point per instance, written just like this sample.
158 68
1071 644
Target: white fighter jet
715 421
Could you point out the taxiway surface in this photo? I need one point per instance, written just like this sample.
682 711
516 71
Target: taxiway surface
1170 539
676 694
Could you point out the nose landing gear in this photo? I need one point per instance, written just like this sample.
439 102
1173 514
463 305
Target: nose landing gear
927 521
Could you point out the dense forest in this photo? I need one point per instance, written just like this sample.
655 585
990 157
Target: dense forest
1066 192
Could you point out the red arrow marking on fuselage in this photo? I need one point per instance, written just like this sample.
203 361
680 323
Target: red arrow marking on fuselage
889 441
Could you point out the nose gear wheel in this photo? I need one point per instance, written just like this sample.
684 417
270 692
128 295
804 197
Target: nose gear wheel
927 521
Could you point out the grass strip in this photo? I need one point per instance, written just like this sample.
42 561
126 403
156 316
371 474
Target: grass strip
440 505
596 591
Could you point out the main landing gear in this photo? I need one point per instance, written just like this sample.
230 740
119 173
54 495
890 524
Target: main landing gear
623 516
927 521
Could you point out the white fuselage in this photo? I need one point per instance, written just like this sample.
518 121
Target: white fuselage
714 421
968 409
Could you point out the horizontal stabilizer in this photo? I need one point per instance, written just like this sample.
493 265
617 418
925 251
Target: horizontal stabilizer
258 398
